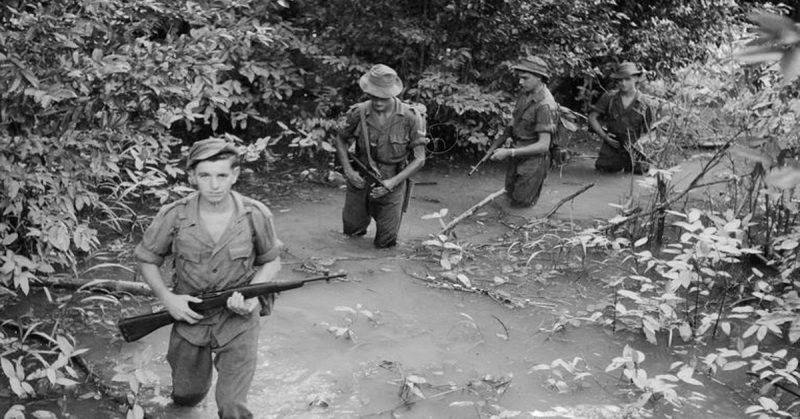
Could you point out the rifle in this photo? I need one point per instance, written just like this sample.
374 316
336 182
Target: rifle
486 156
367 171
137 327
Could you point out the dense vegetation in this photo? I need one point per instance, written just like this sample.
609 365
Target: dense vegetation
98 98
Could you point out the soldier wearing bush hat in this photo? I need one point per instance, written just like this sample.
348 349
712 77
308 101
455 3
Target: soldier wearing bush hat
620 117
390 147
219 239
530 135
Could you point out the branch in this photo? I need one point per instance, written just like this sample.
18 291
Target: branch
471 210
692 185
111 285
566 199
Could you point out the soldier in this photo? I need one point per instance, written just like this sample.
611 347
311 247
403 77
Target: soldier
531 131
620 118
388 134
220 239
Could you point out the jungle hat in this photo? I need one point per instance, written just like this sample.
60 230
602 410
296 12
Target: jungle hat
381 81
208 148
626 69
533 64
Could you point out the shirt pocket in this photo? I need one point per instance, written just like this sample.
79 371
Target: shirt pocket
394 148
241 256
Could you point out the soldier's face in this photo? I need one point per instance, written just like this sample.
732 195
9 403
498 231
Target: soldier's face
214 179
380 104
529 82
627 84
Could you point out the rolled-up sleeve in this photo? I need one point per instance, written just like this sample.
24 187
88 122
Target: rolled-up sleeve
267 245
544 120
156 243
416 133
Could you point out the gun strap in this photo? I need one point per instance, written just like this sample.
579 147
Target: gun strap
362 111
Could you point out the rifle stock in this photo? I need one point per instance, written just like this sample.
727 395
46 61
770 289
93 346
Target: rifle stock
137 327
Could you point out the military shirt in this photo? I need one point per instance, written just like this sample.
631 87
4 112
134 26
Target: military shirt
534 113
201 265
389 144
627 124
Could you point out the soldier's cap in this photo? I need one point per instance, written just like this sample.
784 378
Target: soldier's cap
208 148
533 64
381 81
626 69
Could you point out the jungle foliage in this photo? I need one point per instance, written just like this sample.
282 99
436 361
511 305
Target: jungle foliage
98 97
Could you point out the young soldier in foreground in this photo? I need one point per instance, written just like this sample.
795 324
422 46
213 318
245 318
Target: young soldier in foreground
532 130
386 132
220 239
626 116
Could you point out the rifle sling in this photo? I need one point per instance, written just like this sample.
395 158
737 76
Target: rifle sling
362 111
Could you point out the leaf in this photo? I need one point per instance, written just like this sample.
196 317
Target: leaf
464 280
730 366
685 374
794 330
15 412
749 351
768 403
416 379
790 65
345 309
776 28
791 365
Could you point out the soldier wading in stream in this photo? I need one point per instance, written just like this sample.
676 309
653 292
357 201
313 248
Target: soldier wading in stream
620 117
532 131
220 240
390 147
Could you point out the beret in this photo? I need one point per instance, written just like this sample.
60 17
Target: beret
208 148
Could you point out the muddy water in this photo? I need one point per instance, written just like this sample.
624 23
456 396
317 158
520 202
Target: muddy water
468 356
459 348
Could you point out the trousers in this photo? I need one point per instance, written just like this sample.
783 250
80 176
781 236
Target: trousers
525 177
359 210
235 363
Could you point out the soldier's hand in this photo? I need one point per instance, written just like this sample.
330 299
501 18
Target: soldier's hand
237 304
178 307
501 154
611 139
355 179
378 192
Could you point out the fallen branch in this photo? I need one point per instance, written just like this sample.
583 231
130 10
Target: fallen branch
566 199
494 295
111 285
471 211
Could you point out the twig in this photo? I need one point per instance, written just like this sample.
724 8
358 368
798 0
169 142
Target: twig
508 337
471 210
566 199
